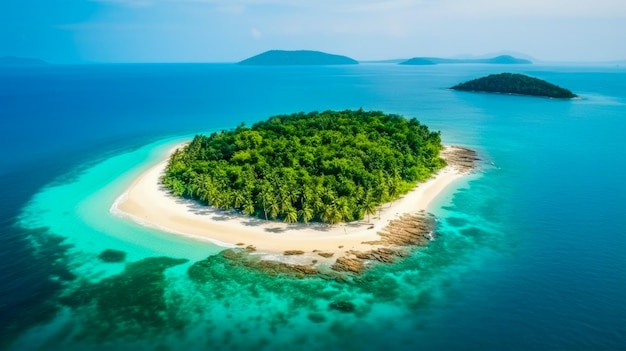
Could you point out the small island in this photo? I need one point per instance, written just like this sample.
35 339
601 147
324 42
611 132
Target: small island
21 61
297 57
330 167
327 194
498 60
514 83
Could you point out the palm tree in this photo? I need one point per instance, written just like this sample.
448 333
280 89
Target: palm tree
305 195
393 183
248 207
238 199
284 199
327 214
318 204
264 198
306 213
225 200
217 200
292 194
382 191
194 189
336 215
210 196
329 196
274 207
369 206
292 215
206 191
359 195
359 212
343 209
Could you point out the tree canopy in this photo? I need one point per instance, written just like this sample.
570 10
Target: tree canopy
330 167
297 57
498 60
514 83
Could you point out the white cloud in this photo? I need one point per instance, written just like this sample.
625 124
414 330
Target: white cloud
376 28
448 8
256 34
234 9
530 8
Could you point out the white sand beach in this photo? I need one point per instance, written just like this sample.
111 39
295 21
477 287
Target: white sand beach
147 202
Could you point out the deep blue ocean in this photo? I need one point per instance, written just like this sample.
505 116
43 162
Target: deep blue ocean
531 253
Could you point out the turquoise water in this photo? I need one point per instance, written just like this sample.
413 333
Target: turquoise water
531 248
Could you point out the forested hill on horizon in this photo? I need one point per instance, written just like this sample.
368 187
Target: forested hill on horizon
313 57
515 83
297 57
498 60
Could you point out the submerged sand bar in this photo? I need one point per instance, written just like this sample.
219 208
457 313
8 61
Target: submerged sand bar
149 203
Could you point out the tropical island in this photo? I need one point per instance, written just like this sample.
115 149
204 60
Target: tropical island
328 167
514 83
498 60
308 193
297 57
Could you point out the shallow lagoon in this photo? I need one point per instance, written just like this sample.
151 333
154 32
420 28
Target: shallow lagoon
530 253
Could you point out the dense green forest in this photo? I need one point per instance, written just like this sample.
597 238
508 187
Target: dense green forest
513 83
297 57
333 166
498 60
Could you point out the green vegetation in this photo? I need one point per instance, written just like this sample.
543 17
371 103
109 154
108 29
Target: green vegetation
513 83
330 167
297 57
419 61
498 60
131 303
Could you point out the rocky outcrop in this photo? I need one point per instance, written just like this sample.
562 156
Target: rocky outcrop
408 230
347 264
232 254
293 252
397 240
239 257
275 268
343 306
462 158
381 254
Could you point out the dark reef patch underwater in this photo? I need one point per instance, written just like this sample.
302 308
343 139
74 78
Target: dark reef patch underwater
225 304
527 253
112 256
131 303
48 253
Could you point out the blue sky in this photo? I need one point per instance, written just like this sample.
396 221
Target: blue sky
68 31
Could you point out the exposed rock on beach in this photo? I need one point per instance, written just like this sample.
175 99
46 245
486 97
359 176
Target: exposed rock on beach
396 240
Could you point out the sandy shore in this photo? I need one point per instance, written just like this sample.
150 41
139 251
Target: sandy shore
149 203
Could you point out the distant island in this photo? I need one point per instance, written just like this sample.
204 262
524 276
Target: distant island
15 61
330 167
513 83
297 57
383 61
498 60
